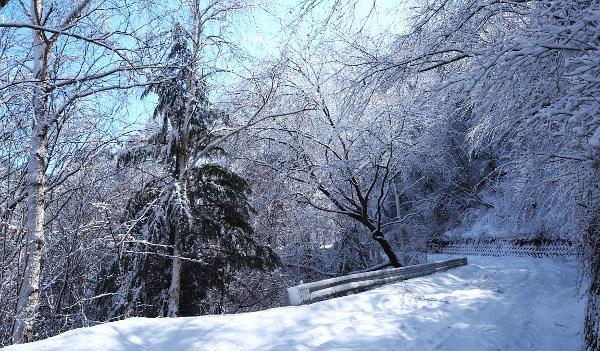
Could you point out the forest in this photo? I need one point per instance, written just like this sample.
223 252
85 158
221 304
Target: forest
198 157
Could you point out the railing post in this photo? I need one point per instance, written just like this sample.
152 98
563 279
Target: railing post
298 295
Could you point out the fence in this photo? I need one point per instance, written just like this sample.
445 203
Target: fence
505 248
353 283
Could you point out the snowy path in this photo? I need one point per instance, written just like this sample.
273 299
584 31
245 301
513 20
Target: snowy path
491 304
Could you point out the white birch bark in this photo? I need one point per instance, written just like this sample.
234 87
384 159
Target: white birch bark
29 291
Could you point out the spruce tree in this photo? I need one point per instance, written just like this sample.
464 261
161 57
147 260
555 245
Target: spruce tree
194 221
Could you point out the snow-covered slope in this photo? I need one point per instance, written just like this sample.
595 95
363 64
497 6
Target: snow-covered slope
491 304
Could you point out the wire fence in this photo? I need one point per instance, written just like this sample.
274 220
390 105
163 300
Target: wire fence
505 247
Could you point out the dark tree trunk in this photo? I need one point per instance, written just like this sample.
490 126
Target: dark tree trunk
361 215
592 318
591 329
378 236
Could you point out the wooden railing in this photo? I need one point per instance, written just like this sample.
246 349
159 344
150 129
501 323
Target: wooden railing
353 283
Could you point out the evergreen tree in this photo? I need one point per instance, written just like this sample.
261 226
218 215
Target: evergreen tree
190 226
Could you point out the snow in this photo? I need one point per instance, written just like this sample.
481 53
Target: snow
505 303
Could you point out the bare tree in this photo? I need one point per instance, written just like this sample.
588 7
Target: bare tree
525 68
55 84
346 154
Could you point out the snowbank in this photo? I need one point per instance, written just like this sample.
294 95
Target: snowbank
491 304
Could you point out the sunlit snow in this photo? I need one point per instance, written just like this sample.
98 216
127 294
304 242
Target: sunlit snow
491 304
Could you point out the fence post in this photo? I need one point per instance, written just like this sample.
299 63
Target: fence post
298 295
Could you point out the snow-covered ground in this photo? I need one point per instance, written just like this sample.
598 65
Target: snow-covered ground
491 304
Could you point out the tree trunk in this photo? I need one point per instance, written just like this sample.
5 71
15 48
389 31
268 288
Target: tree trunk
29 291
378 236
397 200
175 288
183 157
181 176
592 318
30 286
591 330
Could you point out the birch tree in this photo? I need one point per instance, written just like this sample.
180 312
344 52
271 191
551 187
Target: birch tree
30 286
55 83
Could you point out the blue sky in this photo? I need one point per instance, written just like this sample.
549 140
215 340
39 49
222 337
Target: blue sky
263 30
